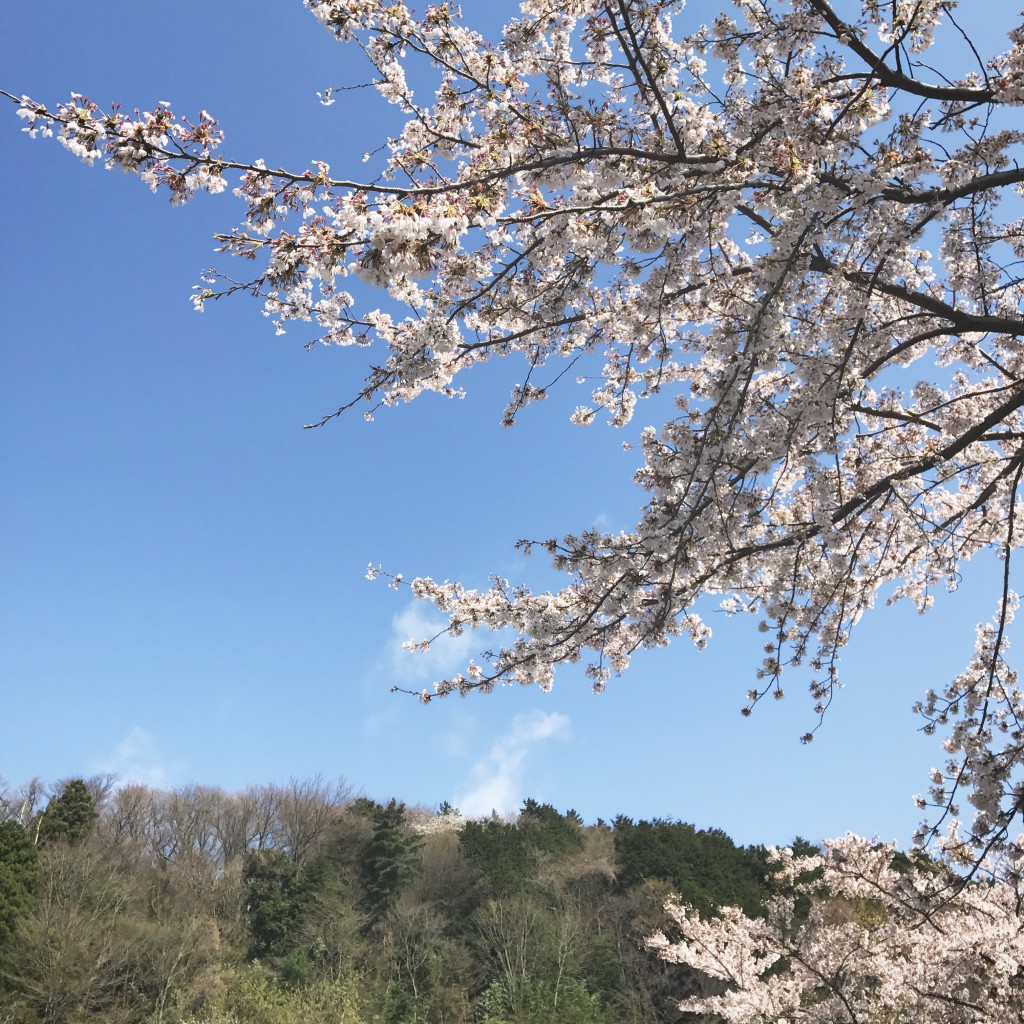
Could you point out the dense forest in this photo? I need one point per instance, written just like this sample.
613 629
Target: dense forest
306 904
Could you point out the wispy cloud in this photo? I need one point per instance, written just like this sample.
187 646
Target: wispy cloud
496 780
446 656
135 759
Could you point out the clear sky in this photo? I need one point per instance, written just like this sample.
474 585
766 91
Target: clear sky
182 592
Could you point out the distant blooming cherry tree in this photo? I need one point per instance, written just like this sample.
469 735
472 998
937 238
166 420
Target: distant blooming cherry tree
793 230
861 938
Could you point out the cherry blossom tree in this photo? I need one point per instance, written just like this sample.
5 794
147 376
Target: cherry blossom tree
792 232
863 935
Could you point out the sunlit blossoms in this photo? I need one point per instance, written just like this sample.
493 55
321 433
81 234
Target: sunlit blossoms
134 145
864 934
794 228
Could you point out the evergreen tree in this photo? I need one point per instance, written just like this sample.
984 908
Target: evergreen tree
19 877
706 869
68 817
548 831
389 860
502 854
277 902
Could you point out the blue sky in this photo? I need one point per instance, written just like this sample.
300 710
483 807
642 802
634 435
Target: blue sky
182 592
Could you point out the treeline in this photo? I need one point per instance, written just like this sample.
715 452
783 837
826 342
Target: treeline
304 904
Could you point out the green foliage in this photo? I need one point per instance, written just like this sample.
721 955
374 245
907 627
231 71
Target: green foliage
600 965
69 817
278 900
19 877
389 860
501 852
539 921
253 998
706 869
540 1003
550 832
447 881
508 855
804 847
297 969
916 861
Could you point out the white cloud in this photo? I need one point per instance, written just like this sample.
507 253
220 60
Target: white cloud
135 759
497 778
446 656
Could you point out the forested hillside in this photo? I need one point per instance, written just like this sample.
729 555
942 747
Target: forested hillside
304 903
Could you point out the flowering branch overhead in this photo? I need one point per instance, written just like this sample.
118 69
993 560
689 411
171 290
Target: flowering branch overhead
767 220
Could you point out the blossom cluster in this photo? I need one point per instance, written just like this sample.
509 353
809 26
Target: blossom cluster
862 933
151 144
443 821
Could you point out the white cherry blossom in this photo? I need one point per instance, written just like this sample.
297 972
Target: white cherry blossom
861 934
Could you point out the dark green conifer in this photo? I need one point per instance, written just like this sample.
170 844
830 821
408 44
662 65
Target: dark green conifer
501 852
277 901
550 832
69 817
389 860
19 876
